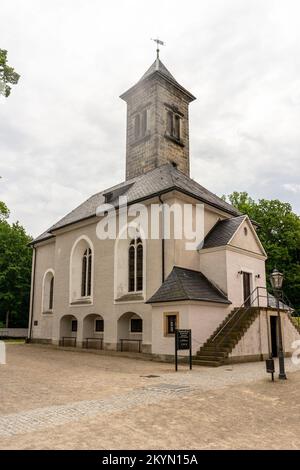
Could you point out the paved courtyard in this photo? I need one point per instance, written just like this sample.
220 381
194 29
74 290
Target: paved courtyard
56 399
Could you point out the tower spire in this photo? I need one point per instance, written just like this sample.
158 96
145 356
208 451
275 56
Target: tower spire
158 43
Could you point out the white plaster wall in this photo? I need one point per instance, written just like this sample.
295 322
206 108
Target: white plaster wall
255 340
204 320
236 262
201 318
45 260
213 266
166 344
247 240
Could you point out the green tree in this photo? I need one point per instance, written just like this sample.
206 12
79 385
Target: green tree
7 75
4 211
15 272
279 232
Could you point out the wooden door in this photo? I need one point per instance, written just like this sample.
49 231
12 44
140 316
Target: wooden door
247 288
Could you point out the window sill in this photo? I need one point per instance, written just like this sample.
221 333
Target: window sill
87 301
133 297
47 312
173 139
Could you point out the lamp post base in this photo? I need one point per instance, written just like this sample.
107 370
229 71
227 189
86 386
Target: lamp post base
282 376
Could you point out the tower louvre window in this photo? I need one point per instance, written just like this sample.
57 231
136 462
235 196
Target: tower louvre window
144 122
173 125
177 127
137 126
170 123
140 124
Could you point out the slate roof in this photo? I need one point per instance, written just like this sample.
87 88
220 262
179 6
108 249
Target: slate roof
158 68
272 302
222 232
186 284
160 180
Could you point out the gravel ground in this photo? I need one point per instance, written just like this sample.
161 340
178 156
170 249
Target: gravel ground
55 399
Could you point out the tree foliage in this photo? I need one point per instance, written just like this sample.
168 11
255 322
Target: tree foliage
7 75
279 232
15 271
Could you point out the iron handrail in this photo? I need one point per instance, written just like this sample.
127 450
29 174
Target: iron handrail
252 298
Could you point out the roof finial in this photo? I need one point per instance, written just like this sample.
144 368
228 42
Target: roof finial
158 42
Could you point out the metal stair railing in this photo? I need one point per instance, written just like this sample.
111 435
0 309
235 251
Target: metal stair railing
248 304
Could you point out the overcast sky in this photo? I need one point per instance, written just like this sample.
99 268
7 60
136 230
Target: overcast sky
62 130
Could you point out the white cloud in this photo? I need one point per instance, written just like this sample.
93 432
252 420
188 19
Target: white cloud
62 130
294 188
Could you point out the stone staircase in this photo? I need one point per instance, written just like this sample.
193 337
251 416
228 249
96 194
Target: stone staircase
294 322
219 345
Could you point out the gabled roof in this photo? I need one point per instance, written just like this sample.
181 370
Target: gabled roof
187 284
222 232
158 181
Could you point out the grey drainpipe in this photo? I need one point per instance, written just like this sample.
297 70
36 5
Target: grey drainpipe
32 295
162 241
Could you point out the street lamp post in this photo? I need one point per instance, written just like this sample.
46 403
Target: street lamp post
276 282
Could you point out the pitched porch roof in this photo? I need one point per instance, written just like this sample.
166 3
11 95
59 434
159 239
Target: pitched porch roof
187 284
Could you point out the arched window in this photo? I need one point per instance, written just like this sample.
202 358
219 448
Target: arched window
48 291
135 265
51 293
86 275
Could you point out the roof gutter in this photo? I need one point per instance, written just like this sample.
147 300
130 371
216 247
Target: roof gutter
162 240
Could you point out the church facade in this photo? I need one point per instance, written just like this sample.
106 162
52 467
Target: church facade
130 293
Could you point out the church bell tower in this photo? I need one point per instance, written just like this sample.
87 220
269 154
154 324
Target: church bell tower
157 122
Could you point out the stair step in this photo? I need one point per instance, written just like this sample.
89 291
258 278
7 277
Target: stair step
214 349
205 352
203 357
206 363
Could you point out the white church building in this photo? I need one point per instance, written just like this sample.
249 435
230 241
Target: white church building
130 293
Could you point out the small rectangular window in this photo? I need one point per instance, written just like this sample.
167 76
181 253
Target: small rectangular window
171 324
99 326
136 325
74 325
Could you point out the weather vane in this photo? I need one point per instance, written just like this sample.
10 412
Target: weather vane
158 43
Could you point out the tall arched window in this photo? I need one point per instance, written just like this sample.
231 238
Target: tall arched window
48 291
86 275
135 265
51 293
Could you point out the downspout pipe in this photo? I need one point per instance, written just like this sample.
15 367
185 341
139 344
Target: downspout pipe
162 241
32 296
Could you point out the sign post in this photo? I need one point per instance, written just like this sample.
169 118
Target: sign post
183 341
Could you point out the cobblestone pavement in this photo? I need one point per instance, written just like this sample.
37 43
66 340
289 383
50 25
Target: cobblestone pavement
41 418
51 398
